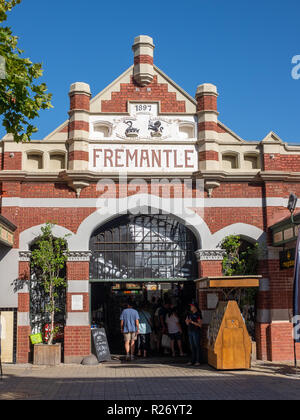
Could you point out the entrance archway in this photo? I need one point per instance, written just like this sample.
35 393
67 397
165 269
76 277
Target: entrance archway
143 256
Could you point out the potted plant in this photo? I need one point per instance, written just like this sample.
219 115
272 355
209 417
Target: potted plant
48 260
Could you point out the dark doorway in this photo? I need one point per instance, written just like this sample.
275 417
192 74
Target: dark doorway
141 257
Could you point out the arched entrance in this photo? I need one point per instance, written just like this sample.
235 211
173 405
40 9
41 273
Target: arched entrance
143 256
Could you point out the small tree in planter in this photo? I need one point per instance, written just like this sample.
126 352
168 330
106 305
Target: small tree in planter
48 260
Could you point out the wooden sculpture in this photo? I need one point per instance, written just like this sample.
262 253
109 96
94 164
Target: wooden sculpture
229 344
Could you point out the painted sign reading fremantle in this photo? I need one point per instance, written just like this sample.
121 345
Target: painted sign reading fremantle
143 141
146 159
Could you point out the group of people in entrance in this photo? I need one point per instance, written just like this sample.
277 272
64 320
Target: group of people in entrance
160 331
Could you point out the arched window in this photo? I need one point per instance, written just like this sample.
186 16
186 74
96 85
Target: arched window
187 131
251 161
103 129
143 247
230 161
57 161
34 161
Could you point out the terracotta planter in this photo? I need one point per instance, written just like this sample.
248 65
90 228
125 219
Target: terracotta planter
44 354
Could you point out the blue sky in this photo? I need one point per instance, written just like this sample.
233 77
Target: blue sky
244 47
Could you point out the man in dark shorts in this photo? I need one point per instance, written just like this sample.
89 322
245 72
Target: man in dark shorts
130 329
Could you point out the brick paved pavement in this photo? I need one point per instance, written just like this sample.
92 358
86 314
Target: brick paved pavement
152 380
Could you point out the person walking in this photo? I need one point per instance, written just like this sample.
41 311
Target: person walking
145 329
194 324
130 329
163 329
174 330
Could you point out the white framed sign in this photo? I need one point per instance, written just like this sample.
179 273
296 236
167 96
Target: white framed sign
77 303
143 158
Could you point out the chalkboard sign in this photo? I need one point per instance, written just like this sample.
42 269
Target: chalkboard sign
100 344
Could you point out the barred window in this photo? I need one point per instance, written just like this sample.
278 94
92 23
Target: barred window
143 247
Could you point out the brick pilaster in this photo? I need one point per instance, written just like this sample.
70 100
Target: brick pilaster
79 126
207 112
143 71
77 336
24 329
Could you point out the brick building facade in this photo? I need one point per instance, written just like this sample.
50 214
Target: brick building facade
144 143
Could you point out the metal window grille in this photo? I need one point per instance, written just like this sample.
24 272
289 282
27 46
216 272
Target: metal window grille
143 247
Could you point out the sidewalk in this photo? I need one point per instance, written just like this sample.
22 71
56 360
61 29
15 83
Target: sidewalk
148 380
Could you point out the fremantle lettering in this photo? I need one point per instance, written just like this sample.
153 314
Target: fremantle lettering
169 158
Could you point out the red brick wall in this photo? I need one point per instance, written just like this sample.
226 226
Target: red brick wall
86 303
79 155
263 342
23 347
281 189
278 162
24 274
77 270
65 129
12 189
282 343
77 342
208 155
143 59
238 190
46 190
12 163
220 217
210 268
79 125
78 101
208 125
207 102
129 92
70 218
23 302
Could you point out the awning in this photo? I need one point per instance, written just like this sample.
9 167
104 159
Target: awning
285 231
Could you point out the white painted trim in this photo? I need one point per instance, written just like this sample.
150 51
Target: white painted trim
210 254
23 319
78 286
77 319
109 209
79 256
249 232
28 236
263 316
92 202
135 205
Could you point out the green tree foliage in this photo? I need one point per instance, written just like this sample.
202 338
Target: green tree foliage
48 260
239 259
21 98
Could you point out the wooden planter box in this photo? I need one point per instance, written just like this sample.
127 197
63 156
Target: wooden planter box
44 354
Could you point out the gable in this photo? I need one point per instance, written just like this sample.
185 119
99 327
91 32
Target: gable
171 97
